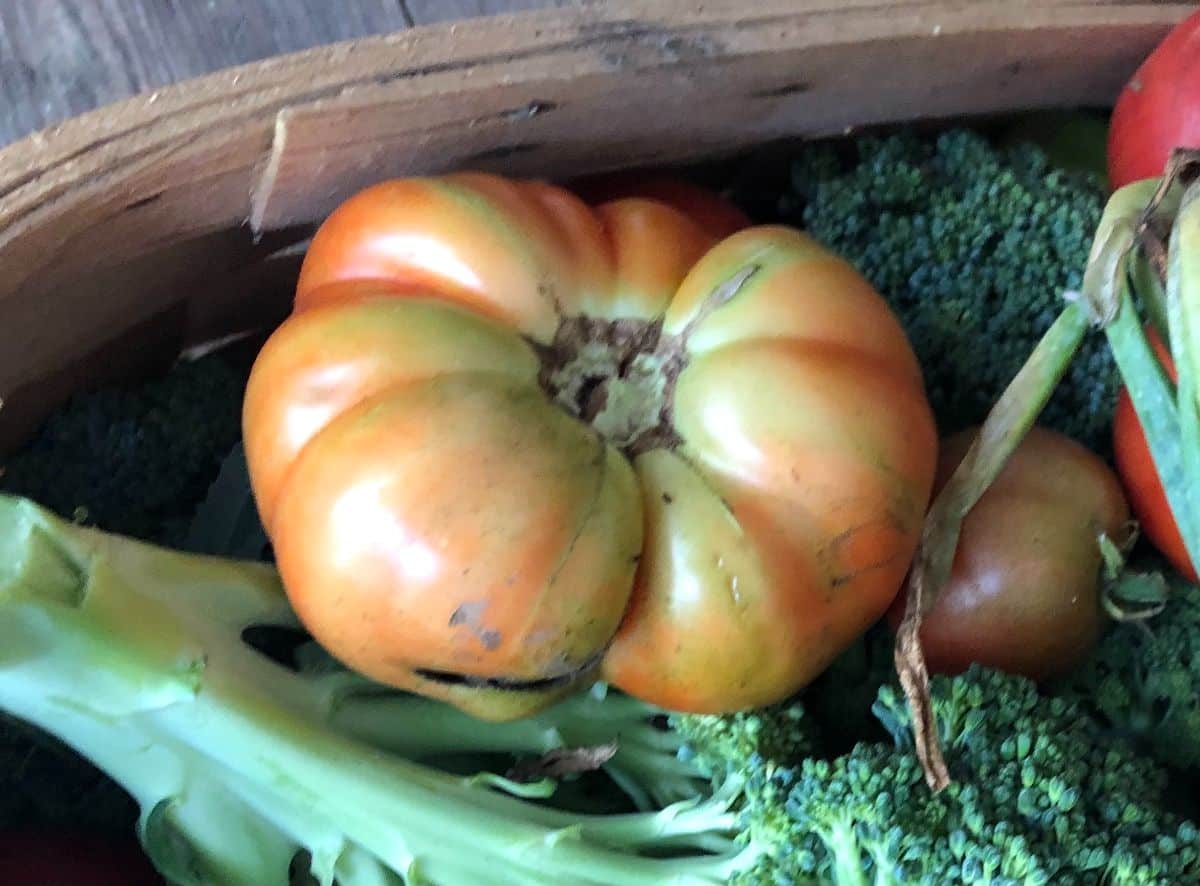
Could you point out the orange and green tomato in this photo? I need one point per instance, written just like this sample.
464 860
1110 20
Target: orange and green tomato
509 443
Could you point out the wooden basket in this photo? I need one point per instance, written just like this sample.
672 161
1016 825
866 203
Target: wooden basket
127 233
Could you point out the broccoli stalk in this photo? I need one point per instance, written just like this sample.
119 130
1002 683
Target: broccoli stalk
132 655
646 763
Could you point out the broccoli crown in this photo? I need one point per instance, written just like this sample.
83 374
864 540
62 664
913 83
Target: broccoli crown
1038 796
718 744
1143 680
135 460
973 246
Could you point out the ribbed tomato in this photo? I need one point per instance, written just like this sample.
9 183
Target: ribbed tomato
508 443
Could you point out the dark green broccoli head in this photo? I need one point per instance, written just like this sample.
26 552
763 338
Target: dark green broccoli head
1143 679
135 460
973 245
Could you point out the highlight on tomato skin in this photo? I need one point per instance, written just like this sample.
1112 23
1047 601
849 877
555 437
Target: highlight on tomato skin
1024 590
463 441
356 341
1139 476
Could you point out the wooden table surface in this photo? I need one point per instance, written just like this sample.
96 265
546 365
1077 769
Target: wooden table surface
59 58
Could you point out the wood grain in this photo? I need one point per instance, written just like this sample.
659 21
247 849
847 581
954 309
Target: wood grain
59 58
425 12
124 232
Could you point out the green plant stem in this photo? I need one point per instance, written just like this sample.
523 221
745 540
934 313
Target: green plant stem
1153 399
1167 412
1183 313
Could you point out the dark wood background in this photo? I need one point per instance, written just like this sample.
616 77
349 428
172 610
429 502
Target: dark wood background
59 58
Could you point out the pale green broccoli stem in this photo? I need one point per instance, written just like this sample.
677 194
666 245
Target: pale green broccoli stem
847 851
645 765
132 655
847 857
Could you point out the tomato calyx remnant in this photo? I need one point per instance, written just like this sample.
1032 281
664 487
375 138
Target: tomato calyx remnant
618 376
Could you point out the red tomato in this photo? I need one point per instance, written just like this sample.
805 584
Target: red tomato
1140 478
70 858
509 442
1159 108
1023 593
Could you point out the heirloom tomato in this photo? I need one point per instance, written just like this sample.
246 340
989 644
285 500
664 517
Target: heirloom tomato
509 443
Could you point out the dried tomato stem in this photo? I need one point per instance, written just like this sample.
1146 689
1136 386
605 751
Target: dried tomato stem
618 376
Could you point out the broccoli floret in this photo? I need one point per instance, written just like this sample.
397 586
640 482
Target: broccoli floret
1143 679
719 742
973 245
1039 796
135 459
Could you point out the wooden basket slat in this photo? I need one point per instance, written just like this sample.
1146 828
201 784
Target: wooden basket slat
154 207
